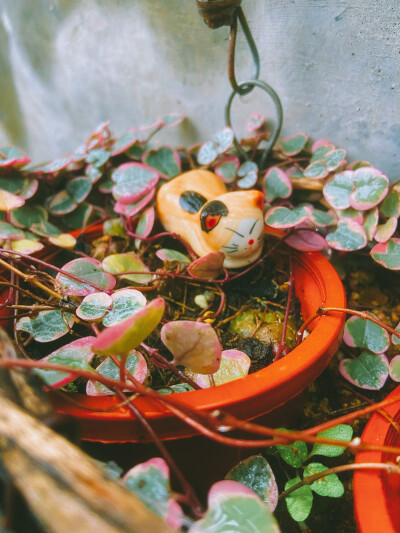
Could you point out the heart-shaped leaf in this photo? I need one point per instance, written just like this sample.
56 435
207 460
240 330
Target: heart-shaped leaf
223 139
76 354
209 266
232 507
348 236
135 364
370 188
248 172
171 256
316 170
390 207
125 303
385 231
371 222
165 159
133 181
127 335
150 482
234 365
342 432
335 159
11 156
387 254
61 203
79 188
124 142
368 371
365 334
227 169
13 184
320 148
283 217
87 269
299 502
326 486
130 210
29 189
145 224
255 122
94 306
98 157
351 213
306 241
195 345
338 189
47 326
129 262
94 174
294 144
276 184
321 219
207 153
256 473
293 454
394 368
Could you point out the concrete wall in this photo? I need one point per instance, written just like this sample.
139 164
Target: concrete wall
67 65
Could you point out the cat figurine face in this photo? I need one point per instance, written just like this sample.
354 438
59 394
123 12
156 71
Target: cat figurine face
196 206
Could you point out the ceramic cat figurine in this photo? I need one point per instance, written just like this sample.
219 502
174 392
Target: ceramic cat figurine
197 206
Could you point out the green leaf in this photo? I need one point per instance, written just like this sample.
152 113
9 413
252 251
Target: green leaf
227 169
223 139
365 334
348 236
165 160
87 269
98 157
127 140
45 229
125 303
326 486
390 207
179 387
13 184
114 227
294 144
283 217
321 219
94 306
135 365
334 159
76 354
394 368
47 326
133 181
387 254
170 256
121 338
207 153
299 502
255 122
129 262
7 231
276 184
371 222
234 364
385 231
340 432
338 189
94 173
256 473
293 454
395 339
316 170
80 216
61 203
370 188
233 508
79 188
12 156
368 371
9 201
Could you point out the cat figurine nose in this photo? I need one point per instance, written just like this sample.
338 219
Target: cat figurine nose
197 206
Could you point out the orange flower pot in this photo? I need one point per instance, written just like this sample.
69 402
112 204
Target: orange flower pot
376 492
316 284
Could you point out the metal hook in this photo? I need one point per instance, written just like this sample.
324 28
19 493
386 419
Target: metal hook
279 116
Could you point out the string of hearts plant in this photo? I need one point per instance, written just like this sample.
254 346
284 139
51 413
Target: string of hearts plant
317 200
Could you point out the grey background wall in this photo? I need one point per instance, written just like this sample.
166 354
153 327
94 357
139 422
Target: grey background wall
67 65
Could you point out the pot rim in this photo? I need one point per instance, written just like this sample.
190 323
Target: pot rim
373 502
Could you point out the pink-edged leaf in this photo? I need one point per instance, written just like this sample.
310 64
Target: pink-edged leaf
335 159
133 181
338 189
322 219
358 164
8 231
395 338
172 120
124 142
234 365
248 172
294 172
9 201
283 217
316 170
94 306
26 246
125 303
76 354
227 168
321 143
370 223
255 122
170 256
195 345
256 474
47 326
11 156
27 215
165 160
394 368
128 262
209 266
390 207
385 231
130 210
276 184
207 153
370 188
306 241
387 254
351 213
294 144
365 334
145 224
135 364
233 507
52 167
150 482
29 189
348 236
127 335
88 269
368 371
99 137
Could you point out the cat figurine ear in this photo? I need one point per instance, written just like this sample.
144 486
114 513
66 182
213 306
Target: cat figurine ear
197 206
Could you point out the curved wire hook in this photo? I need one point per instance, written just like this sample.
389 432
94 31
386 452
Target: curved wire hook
279 115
